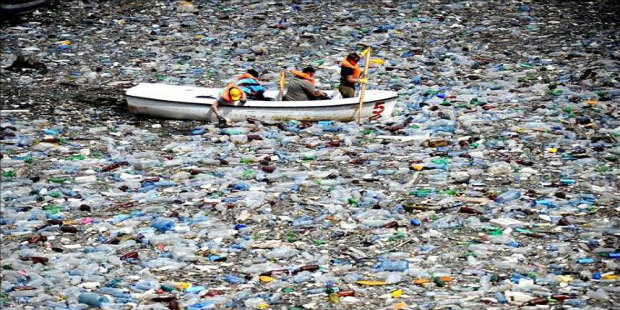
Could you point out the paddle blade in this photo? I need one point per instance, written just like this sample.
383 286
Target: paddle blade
366 51
282 78
281 84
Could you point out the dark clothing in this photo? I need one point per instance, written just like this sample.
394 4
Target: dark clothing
344 72
347 91
260 96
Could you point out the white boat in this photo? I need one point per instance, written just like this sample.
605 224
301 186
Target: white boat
11 8
194 103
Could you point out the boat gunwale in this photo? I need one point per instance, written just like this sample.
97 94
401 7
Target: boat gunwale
24 7
268 106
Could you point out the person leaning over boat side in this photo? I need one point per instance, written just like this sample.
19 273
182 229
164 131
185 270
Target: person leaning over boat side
350 75
300 87
249 83
228 96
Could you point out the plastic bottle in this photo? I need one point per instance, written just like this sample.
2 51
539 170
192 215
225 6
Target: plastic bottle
241 186
163 225
508 196
393 265
202 306
283 252
310 268
585 260
92 299
232 279
500 298
567 181
198 131
86 179
302 277
24 141
194 289
599 294
575 302
303 221
114 292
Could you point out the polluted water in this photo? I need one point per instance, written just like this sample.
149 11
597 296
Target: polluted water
494 184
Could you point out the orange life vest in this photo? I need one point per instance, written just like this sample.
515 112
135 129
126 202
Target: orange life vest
357 71
226 92
247 76
303 76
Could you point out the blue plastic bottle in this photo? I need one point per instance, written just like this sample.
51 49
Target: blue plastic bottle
198 131
202 306
500 298
163 225
24 141
585 260
92 299
396 265
575 302
194 289
241 186
114 292
513 244
567 181
234 279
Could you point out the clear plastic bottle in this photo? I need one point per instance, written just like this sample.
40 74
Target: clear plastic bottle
508 196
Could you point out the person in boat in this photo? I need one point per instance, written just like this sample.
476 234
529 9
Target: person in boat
300 87
250 85
350 75
228 96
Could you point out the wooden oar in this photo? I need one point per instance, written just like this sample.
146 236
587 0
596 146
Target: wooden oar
365 53
281 84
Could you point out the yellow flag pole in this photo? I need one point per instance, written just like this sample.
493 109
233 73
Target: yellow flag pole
282 77
365 53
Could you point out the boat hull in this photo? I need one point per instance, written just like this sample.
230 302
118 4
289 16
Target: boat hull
380 105
15 7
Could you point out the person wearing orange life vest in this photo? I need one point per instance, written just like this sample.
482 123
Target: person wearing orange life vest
350 75
300 87
228 96
249 83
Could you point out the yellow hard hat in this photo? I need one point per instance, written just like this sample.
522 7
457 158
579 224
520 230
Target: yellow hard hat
235 94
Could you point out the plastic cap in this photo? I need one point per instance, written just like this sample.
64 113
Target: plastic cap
235 94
